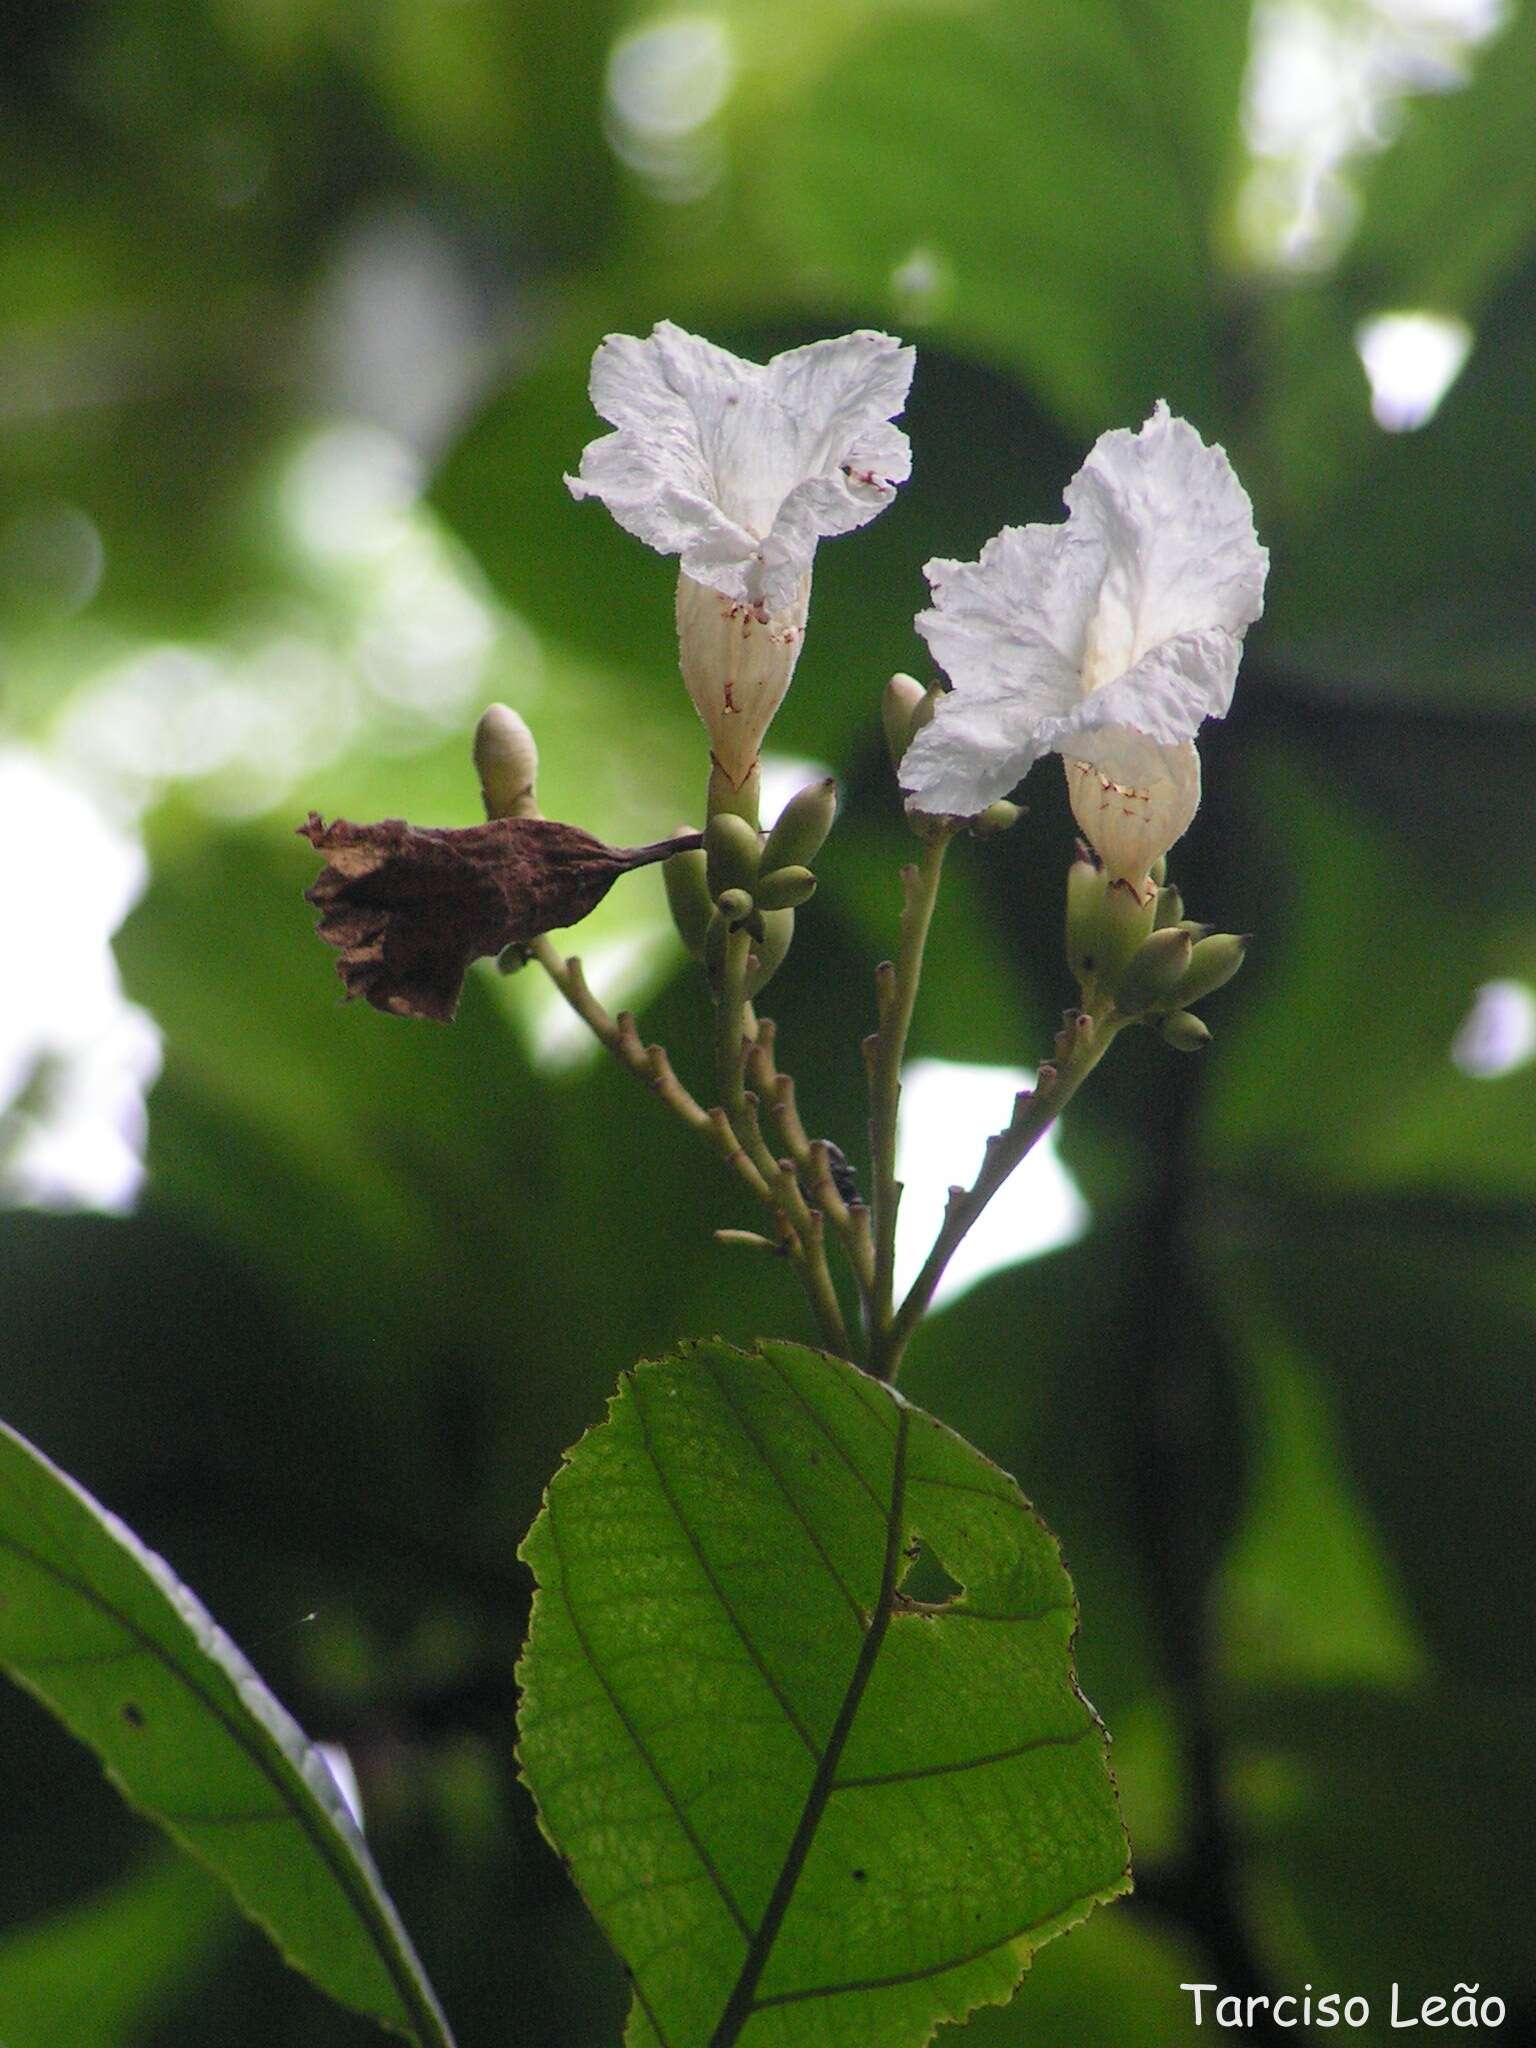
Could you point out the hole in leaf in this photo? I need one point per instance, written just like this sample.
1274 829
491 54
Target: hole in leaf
133 1715
926 1579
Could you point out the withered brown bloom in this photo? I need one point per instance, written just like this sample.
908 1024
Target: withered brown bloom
408 906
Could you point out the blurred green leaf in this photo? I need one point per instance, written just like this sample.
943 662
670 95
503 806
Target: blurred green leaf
92 1975
720 1621
1109 1983
99 1630
1306 1591
1338 1069
1431 1390
1423 1894
1402 572
1003 176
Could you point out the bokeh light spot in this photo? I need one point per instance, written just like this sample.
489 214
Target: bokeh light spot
1498 1033
1412 360
949 1108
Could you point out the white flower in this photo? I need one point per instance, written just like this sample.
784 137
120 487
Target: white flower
1107 639
739 469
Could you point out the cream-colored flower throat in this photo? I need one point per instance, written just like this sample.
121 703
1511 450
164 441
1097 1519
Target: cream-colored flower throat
1130 826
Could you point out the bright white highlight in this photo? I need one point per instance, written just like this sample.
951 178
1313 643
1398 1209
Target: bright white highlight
340 1766
75 1057
622 973
1328 83
667 84
1412 360
349 493
399 649
949 1108
1498 1033
784 776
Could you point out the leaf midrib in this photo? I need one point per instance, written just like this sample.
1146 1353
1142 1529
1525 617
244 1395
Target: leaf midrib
742 2003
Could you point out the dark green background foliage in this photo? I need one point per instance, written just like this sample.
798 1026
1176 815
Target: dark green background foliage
1277 1404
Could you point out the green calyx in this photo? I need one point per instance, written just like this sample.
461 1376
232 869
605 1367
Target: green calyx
1107 924
769 948
1170 908
905 708
736 907
995 819
1212 963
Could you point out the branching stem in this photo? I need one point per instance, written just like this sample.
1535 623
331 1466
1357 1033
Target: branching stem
896 995
1081 1044
732 1131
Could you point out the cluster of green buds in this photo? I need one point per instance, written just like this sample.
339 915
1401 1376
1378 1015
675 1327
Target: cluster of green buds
1137 952
742 879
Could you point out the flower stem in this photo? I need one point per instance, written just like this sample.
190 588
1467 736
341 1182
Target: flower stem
798 1230
1082 1043
896 993
804 1233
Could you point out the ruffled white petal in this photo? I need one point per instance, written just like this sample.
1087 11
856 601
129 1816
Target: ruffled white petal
1126 619
1011 631
978 744
1176 526
740 468
1174 686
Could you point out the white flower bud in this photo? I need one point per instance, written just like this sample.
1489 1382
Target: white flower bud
507 762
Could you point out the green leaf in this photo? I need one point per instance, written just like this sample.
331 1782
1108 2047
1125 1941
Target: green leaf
91 1975
801 1804
1055 216
99 1630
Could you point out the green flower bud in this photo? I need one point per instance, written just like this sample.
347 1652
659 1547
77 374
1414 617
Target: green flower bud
905 709
1185 1032
1158 872
802 828
1155 971
1170 908
507 762
735 906
999 817
768 953
732 850
688 898
1213 962
786 889
1086 883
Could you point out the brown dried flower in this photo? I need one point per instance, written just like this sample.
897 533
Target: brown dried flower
408 907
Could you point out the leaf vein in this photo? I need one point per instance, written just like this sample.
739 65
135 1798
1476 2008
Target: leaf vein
632 1731
927 1970
742 2001
782 1484
827 1431
759 1662
969 1763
